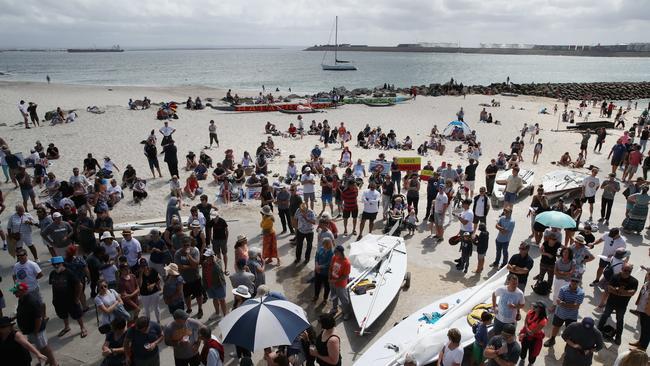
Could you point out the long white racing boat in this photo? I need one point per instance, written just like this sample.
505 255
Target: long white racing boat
422 336
378 270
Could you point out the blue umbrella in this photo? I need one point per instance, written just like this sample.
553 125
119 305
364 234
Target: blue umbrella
555 219
263 322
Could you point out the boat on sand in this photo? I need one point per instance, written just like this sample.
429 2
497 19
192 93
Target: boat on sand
562 183
378 272
273 107
423 334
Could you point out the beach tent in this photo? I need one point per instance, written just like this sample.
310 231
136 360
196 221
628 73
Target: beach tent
454 124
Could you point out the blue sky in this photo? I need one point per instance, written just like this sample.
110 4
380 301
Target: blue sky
160 23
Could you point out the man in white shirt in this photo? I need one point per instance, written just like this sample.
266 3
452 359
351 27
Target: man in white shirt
466 218
611 241
511 301
167 131
78 178
308 181
131 249
437 219
114 193
22 107
370 199
27 271
590 186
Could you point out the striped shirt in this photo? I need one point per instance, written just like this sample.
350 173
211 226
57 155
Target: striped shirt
349 197
569 297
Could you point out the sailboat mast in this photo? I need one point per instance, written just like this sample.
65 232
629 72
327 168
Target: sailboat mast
336 39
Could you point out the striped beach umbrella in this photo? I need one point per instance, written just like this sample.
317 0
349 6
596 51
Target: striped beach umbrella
263 322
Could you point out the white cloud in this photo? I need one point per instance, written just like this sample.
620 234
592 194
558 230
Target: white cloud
67 23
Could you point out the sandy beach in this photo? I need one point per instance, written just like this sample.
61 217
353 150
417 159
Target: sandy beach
118 133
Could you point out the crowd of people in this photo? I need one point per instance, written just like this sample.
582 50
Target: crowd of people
190 261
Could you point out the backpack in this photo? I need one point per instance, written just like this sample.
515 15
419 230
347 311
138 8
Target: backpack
542 288
608 272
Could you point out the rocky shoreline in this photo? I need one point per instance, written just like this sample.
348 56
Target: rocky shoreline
575 91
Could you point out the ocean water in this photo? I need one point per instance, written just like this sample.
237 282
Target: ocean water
300 70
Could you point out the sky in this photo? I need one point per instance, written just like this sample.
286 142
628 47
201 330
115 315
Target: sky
213 23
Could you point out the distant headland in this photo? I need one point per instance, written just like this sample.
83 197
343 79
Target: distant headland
621 50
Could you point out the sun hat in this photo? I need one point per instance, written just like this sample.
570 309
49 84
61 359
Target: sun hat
326 216
57 260
241 238
196 223
266 211
579 239
106 235
172 269
242 291
208 253
307 169
621 253
56 215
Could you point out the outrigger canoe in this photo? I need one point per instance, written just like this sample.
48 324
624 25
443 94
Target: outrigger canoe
378 272
273 107
423 334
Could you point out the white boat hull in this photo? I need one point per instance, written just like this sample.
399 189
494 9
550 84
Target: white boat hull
424 341
388 277
338 67
559 183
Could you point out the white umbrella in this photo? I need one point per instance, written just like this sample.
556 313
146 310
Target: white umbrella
263 322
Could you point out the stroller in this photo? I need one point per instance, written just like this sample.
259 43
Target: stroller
396 216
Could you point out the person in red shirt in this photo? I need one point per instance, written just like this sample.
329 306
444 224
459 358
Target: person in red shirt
212 348
292 130
350 194
338 277
634 160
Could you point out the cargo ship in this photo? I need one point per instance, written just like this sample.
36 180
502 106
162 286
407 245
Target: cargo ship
115 48
621 50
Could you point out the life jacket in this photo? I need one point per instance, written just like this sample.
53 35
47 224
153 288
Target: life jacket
213 343
474 317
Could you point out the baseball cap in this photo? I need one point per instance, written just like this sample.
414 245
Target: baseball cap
509 329
56 260
56 215
340 248
588 322
180 314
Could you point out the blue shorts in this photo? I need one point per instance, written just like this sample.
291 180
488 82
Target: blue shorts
509 197
326 198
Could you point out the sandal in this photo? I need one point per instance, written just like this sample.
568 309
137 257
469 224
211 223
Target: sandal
84 333
63 332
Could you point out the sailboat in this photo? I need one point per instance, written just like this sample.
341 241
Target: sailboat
339 65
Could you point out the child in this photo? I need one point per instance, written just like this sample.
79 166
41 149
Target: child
411 220
481 240
537 150
466 244
480 338
225 191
